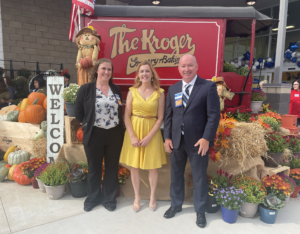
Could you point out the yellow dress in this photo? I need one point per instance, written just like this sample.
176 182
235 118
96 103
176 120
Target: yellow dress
153 155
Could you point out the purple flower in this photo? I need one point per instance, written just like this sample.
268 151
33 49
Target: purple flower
238 198
225 200
228 207
236 203
216 196
229 198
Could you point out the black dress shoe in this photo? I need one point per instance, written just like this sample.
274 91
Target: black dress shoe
110 207
170 213
201 220
88 208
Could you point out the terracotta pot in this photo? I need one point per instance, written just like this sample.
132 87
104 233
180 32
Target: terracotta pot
296 192
34 183
273 160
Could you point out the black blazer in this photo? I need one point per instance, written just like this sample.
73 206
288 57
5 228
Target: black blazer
85 108
200 117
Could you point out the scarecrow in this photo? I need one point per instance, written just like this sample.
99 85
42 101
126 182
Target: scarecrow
223 91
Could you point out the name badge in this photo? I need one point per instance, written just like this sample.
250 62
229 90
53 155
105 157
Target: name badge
178 99
119 100
297 95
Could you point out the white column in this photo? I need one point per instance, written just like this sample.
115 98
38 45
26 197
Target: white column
280 47
1 41
270 36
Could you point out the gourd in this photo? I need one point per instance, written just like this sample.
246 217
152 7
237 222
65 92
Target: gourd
44 126
10 149
19 177
34 113
18 157
40 134
34 96
3 173
23 104
2 163
79 134
13 116
21 118
11 171
7 109
17 108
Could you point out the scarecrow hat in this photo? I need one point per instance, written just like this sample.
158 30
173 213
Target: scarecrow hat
88 29
220 80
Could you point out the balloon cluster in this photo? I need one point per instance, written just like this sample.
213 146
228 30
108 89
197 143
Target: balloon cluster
291 54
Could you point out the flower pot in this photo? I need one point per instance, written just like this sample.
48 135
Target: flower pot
296 192
248 210
78 189
273 160
70 108
55 193
229 216
211 204
34 183
255 106
41 186
268 216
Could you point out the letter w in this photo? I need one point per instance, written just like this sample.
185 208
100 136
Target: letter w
56 90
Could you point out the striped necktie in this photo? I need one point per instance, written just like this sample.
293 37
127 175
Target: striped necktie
185 98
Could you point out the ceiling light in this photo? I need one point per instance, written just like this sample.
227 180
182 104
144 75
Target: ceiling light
251 2
287 27
155 2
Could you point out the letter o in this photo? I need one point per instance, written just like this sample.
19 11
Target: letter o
51 148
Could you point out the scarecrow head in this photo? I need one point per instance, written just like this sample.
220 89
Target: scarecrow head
87 37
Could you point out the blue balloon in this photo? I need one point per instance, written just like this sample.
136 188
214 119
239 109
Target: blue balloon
274 56
298 64
294 60
259 60
258 67
247 56
270 64
288 55
293 46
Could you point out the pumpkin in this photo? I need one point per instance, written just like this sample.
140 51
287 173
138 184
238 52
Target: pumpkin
7 109
2 163
17 108
18 157
34 96
23 104
79 134
8 166
21 118
19 177
45 105
13 116
11 171
3 173
34 113
10 149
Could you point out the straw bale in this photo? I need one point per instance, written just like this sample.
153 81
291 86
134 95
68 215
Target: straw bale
39 147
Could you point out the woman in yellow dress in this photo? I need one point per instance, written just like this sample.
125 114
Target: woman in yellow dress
143 144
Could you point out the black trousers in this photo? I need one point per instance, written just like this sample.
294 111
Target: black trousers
199 169
107 144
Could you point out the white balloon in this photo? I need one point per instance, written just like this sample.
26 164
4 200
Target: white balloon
253 68
232 63
239 63
243 62
269 60
298 54
235 60
240 58
236 65
294 54
264 61
288 50
298 60
246 61
256 63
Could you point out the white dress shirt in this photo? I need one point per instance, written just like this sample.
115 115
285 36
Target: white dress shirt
192 83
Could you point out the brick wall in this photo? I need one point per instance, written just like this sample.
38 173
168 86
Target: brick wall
37 30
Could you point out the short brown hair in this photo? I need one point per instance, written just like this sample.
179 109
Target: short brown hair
94 74
155 82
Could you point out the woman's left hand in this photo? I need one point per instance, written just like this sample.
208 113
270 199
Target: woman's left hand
145 141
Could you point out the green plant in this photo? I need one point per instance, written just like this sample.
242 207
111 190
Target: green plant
55 174
24 72
271 202
241 113
243 71
294 163
70 93
222 179
31 166
276 185
230 198
294 143
20 80
276 143
21 94
227 67
78 172
295 175
272 122
254 190
258 95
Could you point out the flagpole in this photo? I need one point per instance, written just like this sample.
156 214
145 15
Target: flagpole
79 20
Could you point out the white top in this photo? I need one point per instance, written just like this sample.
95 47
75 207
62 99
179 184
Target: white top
106 110
192 83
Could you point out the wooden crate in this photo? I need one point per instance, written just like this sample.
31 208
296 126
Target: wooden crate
271 171
71 127
14 133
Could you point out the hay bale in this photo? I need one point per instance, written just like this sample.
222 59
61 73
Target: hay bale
39 147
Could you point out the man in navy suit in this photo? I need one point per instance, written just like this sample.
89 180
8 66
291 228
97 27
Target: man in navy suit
191 121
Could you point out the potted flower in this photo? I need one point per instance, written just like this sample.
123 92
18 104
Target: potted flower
37 174
55 177
276 144
257 98
77 179
291 182
255 192
19 82
230 199
269 208
69 95
241 113
294 162
222 179
211 206
294 145
295 175
30 167
276 185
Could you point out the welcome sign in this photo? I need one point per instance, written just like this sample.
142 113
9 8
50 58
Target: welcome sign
128 42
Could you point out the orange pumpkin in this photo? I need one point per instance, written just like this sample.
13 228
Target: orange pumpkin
19 177
35 95
45 105
34 113
17 108
21 118
7 166
79 134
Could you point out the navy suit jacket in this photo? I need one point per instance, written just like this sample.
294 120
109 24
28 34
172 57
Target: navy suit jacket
200 117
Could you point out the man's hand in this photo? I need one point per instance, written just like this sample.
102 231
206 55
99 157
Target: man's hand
203 146
169 145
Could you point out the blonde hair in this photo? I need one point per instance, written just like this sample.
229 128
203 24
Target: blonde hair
154 82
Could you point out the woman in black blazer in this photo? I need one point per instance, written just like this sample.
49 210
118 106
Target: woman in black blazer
98 108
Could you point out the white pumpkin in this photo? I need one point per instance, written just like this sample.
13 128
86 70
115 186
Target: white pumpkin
18 157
